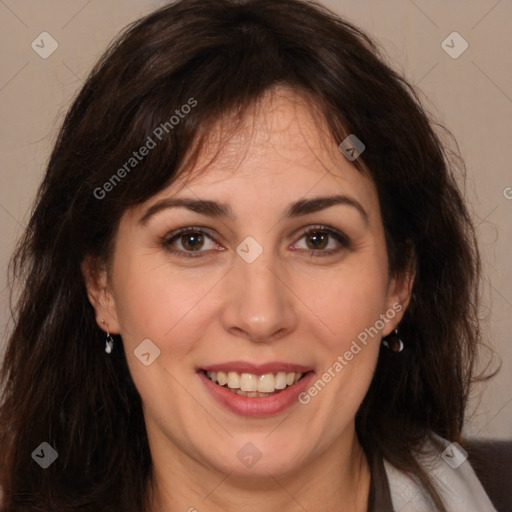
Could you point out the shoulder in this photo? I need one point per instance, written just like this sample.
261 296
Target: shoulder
491 460
449 465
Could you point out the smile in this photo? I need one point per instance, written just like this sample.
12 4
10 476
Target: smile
256 390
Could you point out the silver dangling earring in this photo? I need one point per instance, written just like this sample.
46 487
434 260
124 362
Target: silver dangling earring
393 342
109 341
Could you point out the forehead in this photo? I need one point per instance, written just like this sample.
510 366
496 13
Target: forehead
283 136
280 150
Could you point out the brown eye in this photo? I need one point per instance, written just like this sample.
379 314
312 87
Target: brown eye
318 239
188 242
192 241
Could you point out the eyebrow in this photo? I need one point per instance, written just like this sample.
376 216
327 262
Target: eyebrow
222 210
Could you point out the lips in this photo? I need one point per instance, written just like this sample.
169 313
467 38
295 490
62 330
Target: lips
256 403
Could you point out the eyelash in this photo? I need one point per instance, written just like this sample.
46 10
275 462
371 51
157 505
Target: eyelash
167 241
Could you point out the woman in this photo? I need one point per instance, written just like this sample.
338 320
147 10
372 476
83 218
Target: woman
249 279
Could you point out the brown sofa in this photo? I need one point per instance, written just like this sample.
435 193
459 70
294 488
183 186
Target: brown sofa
492 462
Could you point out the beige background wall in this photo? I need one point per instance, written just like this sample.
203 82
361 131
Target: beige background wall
471 95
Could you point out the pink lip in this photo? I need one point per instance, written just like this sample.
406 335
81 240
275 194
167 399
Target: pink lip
254 406
256 369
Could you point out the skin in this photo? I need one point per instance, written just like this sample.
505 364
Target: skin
287 305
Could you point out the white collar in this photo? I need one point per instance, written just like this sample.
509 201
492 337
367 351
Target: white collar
459 488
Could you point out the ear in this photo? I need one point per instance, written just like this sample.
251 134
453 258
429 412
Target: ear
398 298
100 296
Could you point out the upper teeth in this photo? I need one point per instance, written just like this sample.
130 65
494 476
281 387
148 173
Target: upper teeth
266 383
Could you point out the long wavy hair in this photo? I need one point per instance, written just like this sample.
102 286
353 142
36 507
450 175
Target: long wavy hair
60 387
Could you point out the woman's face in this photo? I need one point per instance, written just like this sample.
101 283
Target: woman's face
248 291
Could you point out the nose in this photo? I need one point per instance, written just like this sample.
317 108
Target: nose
260 304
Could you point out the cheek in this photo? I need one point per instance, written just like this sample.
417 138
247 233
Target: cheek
348 301
349 304
156 301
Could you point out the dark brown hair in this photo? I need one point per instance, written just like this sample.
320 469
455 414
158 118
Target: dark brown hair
59 386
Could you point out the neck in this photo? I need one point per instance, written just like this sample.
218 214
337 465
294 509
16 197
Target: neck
338 479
